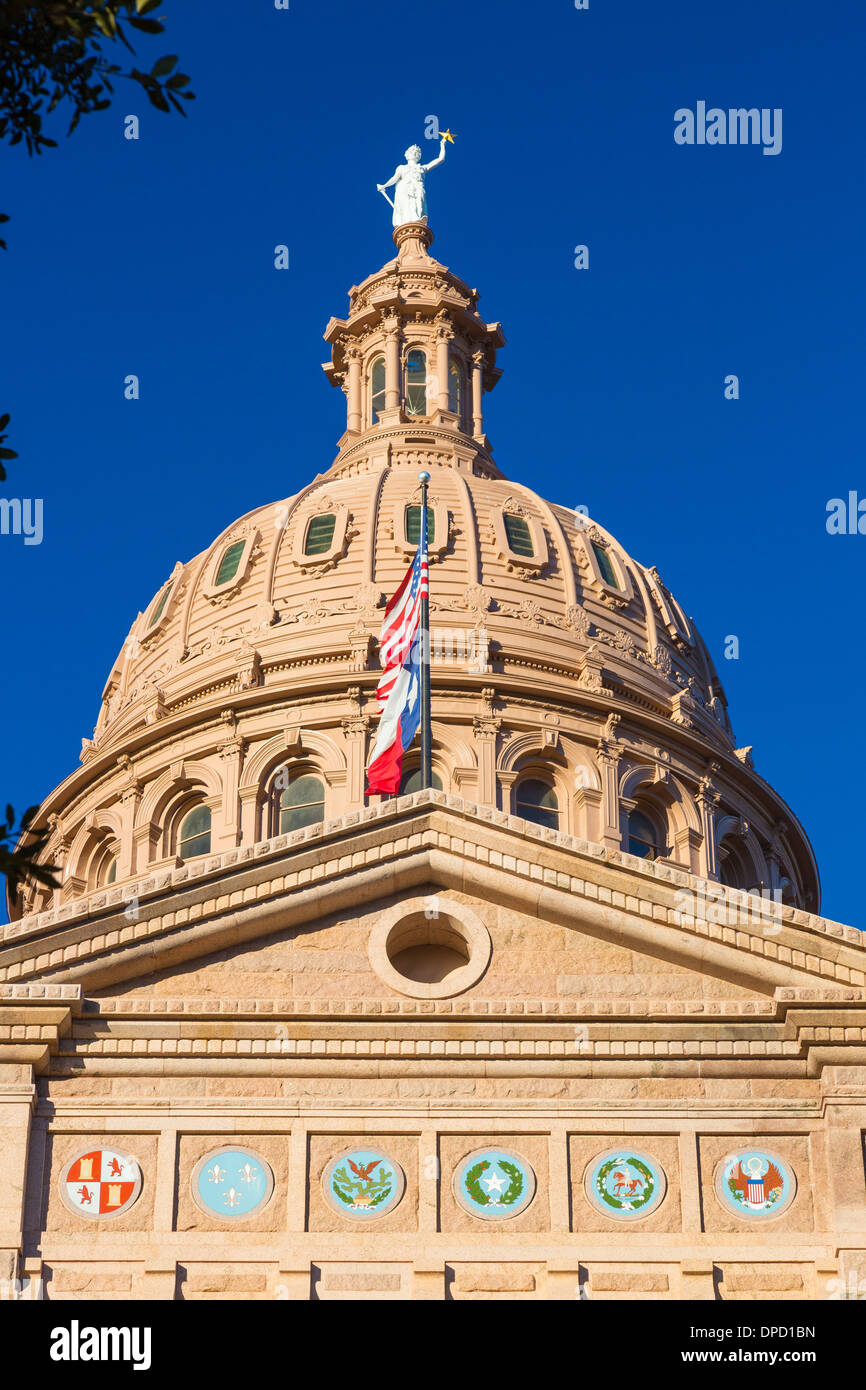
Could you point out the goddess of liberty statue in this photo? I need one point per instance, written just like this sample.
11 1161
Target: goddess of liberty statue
410 199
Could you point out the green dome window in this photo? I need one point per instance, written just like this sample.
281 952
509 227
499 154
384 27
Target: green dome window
302 803
518 534
377 389
608 573
228 566
535 800
413 525
112 871
194 834
320 534
160 605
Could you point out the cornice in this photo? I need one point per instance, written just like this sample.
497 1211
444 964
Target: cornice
366 855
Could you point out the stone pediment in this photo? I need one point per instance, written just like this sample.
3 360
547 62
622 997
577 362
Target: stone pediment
250 894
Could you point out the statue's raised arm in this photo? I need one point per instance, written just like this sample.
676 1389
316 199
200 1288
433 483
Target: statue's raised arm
439 158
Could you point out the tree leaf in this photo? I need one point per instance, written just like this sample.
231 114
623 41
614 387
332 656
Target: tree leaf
163 66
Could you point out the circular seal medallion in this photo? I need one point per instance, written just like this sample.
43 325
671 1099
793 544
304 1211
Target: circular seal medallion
232 1182
363 1183
100 1183
755 1183
625 1184
494 1184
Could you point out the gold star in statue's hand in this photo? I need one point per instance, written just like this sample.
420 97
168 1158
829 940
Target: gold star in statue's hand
446 135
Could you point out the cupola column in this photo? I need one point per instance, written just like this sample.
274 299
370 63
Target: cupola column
354 393
392 362
443 338
477 417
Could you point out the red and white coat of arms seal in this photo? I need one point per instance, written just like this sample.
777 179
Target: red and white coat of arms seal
100 1183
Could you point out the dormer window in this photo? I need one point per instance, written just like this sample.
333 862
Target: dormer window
605 565
228 566
416 382
518 534
413 525
377 389
320 534
160 606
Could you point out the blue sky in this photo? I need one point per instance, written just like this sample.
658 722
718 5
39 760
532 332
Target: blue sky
155 257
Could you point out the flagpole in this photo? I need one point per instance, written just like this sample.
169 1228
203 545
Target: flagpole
426 742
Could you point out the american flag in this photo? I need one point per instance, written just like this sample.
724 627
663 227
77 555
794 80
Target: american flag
399 688
402 616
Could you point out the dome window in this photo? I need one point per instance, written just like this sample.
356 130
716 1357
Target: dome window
413 525
302 803
320 534
159 607
643 837
416 382
535 800
455 388
518 534
112 871
377 389
194 834
411 782
228 566
605 565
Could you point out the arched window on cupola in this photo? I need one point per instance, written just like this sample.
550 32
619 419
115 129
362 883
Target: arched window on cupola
377 389
535 800
193 836
301 803
416 382
645 839
455 388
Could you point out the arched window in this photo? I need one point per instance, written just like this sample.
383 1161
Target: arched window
103 866
320 534
411 781
413 525
416 382
377 389
518 534
159 606
228 566
193 837
605 565
734 871
455 388
301 803
644 841
535 800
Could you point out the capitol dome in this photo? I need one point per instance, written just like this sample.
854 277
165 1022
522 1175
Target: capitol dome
569 687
